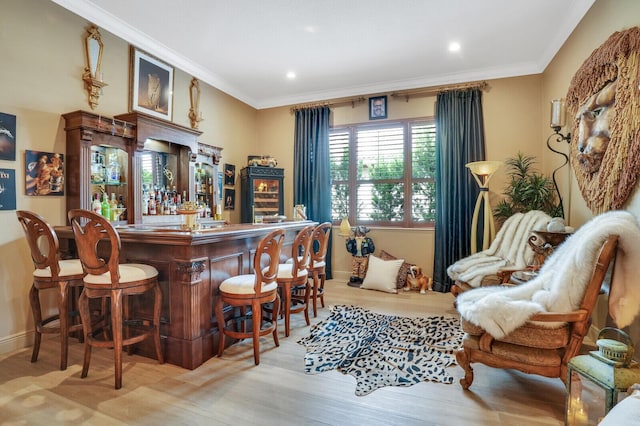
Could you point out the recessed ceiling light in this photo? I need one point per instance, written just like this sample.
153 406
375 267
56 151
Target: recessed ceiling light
454 46
291 75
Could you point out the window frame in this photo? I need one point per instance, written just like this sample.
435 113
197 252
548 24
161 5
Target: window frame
407 179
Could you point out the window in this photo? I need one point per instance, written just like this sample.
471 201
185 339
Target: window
384 174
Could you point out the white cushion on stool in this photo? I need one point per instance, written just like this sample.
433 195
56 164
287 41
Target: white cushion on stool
243 284
128 272
319 264
285 271
68 268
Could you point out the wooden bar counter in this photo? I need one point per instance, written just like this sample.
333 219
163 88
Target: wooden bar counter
191 266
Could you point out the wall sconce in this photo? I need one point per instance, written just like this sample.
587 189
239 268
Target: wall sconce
93 77
557 122
482 171
195 116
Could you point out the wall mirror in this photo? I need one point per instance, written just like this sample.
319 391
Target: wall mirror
93 77
93 46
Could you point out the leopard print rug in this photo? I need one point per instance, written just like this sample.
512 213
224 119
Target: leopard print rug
382 350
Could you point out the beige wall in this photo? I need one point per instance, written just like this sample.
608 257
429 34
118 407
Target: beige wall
40 79
43 61
512 115
604 18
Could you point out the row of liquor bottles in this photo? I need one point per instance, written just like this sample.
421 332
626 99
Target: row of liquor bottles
111 209
160 201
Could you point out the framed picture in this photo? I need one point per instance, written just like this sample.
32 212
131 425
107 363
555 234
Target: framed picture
7 137
44 173
7 189
229 199
151 85
377 107
229 174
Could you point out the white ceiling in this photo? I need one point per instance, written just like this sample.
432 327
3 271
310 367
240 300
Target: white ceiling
339 48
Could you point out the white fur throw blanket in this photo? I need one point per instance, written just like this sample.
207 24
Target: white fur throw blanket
509 249
561 282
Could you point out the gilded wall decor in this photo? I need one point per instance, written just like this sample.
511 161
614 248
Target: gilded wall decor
603 104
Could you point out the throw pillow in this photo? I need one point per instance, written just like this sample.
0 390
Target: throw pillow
382 274
401 280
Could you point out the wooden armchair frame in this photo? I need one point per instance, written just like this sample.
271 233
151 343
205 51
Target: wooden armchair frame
482 350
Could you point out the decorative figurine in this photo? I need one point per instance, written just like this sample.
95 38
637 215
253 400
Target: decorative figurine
360 246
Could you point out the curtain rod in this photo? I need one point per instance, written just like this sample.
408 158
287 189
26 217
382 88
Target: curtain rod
330 103
432 91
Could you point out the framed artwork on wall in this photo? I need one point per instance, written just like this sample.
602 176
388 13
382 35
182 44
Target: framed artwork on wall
229 174
44 173
377 107
229 199
7 189
7 137
151 85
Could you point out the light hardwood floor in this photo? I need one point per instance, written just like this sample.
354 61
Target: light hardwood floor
233 391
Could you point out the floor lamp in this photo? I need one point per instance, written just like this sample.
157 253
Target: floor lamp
482 172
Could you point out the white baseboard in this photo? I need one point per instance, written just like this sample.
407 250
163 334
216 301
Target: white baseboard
15 342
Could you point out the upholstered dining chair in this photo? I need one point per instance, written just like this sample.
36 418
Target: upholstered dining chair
64 276
546 342
317 268
252 291
293 279
117 281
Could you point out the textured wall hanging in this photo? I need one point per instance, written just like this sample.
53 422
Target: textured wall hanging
603 103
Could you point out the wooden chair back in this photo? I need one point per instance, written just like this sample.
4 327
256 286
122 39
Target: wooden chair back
269 247
43 241
320 243
91 231
301 250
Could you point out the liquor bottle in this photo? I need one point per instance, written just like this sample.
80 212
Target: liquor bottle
105 207
113 206
121 205
152 206
96 206
113 170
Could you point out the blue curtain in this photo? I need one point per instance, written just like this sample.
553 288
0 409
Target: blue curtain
311 168
459 140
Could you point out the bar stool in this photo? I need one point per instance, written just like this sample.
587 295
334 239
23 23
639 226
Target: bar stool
110 279
50 273
317 269
254 291
293 279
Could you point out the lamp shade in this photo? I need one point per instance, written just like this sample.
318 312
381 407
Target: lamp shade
484 168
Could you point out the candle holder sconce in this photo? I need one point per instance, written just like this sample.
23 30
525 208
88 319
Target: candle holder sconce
93 77
557 122
195 115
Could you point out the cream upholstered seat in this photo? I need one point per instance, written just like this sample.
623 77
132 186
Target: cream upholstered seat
317 268
253 292
293 279
50 272
110 279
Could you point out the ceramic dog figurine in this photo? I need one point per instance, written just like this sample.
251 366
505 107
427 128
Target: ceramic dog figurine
416 279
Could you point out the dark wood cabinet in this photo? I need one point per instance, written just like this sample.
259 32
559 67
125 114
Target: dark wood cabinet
131 155
98 159
262 193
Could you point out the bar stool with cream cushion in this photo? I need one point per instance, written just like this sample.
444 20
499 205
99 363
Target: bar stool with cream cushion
252 291
293 278
317 269
109 278
50 272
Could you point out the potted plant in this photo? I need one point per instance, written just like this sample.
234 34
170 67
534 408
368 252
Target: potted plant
527 190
